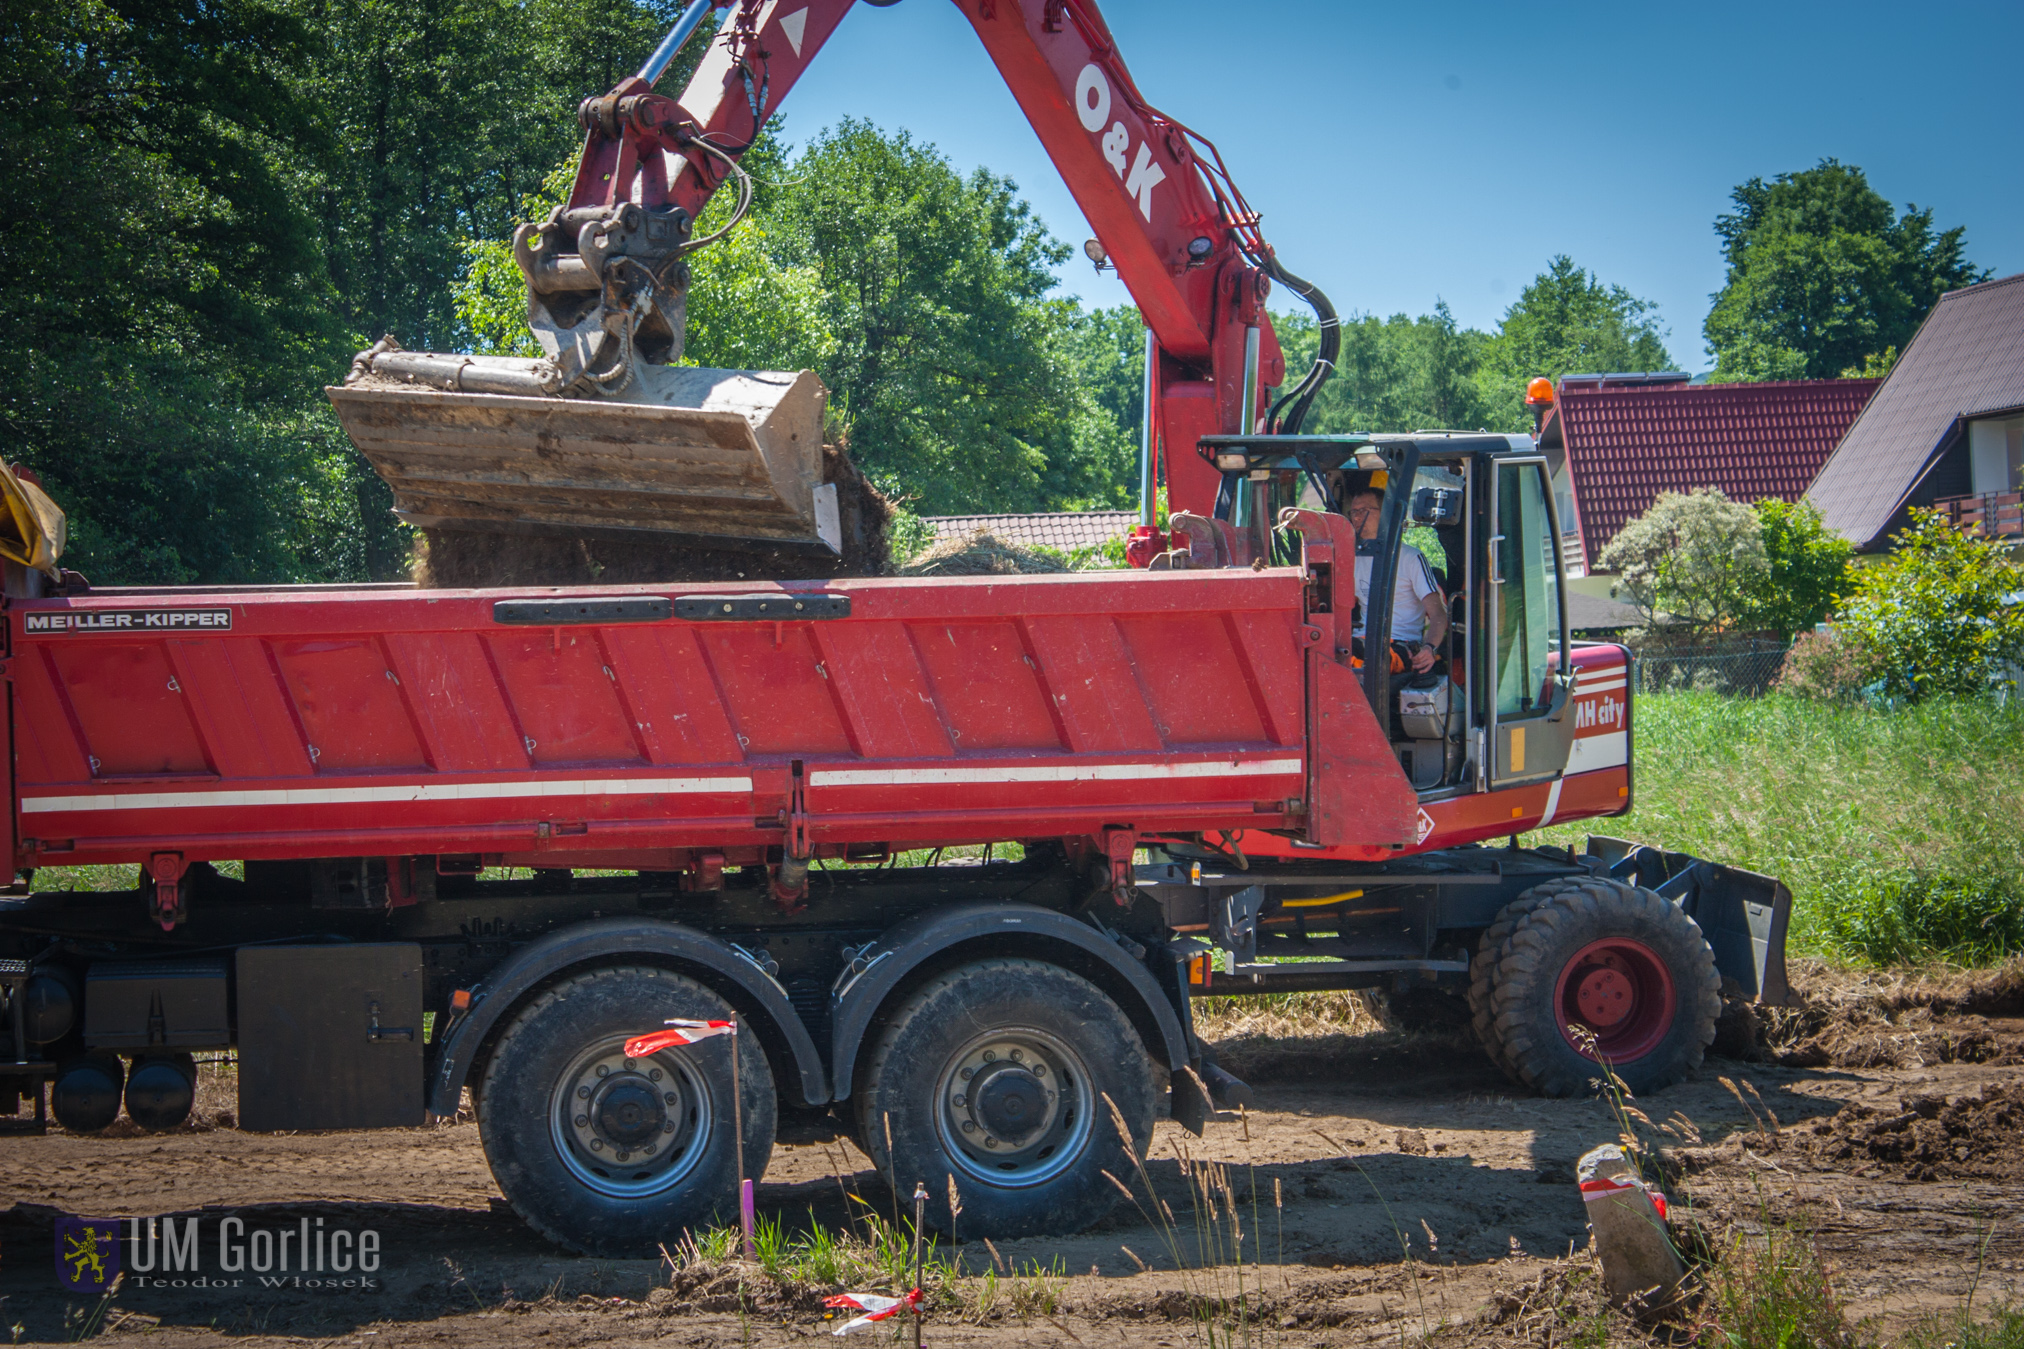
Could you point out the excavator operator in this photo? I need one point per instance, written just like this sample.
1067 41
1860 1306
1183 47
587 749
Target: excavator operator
1419 608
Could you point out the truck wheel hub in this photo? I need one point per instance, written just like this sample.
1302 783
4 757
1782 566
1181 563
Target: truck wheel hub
629 1112
1016 1107
1012 1103
629 1128
1615 1000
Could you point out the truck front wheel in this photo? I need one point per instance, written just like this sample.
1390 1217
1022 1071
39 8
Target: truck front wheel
1602 971
994 1075
610 1155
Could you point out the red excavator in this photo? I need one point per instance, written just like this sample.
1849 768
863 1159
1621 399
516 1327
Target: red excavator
606 432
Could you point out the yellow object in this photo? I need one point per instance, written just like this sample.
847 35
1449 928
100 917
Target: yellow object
1379 480
32 528
1517 764
1319 901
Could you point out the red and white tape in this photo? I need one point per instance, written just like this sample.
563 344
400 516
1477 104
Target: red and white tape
1601 1188
678 1032
875 1306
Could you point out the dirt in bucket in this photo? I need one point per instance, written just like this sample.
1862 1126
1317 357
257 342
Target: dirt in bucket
459 560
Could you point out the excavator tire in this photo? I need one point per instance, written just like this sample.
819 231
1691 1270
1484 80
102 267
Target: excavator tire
1603 973
1490 949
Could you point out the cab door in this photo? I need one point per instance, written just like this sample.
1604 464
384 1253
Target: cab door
1529 730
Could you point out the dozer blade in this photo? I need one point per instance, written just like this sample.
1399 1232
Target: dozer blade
717 458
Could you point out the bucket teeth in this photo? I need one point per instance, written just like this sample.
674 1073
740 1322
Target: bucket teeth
721 457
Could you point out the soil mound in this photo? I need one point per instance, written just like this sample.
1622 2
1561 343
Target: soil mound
457 560
1873 1018
981 554
1930 1136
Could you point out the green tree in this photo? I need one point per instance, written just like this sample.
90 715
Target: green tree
170 340
952 368
1568 322
449 113
1939 613
1394 374
1824 277
1807 568
1693 559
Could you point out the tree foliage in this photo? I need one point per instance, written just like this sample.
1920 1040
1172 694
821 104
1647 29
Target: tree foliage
1939 614
1692 559
1807 568
1568 322
1395 374
1403 374
172 323
1824 277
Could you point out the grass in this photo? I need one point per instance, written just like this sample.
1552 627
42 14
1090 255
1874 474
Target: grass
1900 833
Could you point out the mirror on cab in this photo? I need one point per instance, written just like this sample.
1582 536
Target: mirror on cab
1437 507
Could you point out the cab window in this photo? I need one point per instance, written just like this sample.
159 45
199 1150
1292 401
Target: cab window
1528 596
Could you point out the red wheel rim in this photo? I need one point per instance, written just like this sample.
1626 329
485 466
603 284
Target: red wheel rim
1620 992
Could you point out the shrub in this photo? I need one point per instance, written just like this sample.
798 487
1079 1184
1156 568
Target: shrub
1808 567
1823 667
1937 615
1693 557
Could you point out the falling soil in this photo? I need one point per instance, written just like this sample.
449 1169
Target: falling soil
981 554
460 560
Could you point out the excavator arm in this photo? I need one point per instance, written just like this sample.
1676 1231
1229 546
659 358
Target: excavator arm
607 281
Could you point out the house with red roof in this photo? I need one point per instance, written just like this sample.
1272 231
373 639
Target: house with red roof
1614 442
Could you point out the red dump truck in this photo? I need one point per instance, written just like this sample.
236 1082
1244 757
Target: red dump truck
408 851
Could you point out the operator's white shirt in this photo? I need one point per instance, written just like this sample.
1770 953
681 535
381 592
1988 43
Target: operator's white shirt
1414 582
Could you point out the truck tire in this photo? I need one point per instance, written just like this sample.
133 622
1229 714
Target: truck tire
1490 949
1623 963
609 1155
995 1074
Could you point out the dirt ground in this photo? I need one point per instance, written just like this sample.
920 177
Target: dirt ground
1419 1198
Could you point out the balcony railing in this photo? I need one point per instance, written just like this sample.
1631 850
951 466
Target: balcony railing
1997 515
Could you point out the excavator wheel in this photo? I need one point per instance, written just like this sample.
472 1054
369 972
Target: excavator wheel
1490 949
1602 972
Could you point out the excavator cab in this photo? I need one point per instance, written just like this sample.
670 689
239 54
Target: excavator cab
1492 712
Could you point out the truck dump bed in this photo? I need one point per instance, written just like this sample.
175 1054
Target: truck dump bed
611 727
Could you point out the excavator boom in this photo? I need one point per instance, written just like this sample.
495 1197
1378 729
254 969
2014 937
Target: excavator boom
604 432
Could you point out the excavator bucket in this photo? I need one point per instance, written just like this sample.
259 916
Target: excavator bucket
699 457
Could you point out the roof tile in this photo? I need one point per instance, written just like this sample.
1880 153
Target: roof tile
1626 445
1066 530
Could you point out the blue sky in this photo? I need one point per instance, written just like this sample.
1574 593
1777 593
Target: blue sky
1404 152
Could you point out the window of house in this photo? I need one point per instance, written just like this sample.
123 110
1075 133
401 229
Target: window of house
1996 455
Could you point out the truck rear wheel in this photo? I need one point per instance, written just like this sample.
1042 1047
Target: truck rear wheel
994 1074
1603 971
610 1155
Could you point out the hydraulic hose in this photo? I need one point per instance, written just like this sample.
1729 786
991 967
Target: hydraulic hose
1300 397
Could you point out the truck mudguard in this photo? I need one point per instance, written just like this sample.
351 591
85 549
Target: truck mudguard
997 929
594 943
